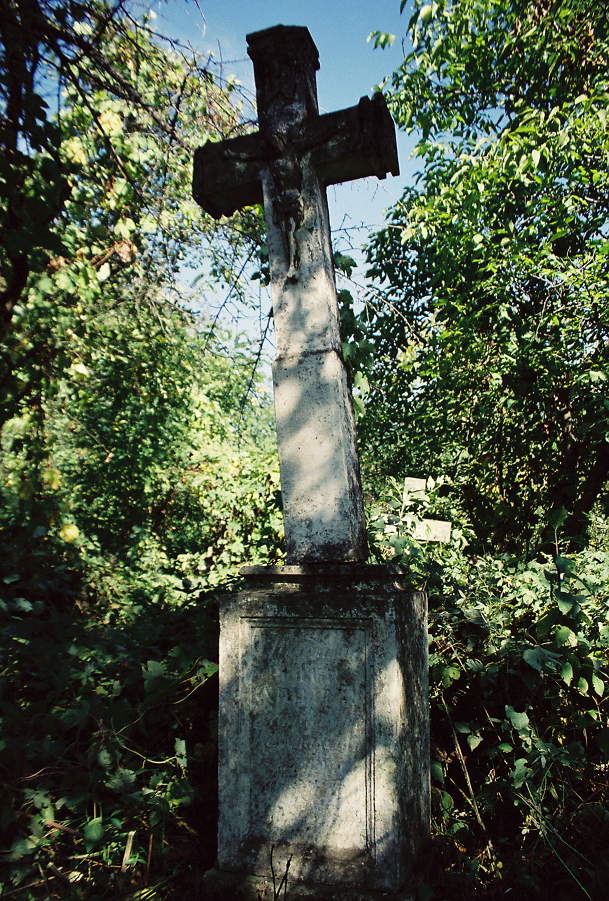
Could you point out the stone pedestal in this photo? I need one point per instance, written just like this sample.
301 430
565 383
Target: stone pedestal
323 733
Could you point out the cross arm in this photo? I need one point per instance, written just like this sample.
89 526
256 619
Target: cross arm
353 143
345 145
226 175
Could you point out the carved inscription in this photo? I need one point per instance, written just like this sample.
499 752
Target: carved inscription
307 725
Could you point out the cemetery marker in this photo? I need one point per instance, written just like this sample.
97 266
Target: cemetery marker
427 529
288 164
323 714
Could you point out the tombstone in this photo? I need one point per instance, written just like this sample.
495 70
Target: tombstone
323 718
433 530
426 529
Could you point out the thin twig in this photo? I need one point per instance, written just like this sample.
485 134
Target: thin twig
254 368
53 825
44 879
149 858
21 888
127 853
463 766
273 874
57 872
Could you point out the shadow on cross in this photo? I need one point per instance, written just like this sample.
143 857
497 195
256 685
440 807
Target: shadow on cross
322 503
321 718
323 508
288 164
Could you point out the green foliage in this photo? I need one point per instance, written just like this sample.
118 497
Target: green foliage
97 202
519 679
357 349
105 731
118 420
490 359
138 467
146 485
109 620
490 321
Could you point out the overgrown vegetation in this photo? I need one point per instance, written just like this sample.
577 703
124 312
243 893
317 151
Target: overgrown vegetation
490 320
489 324
520 734
138 466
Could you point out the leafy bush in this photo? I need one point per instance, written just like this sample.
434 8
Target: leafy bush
139 485
103 729
519 715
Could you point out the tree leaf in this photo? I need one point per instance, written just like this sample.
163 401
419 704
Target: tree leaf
564 635
437 772
565 602
450 674
93 833
537 657
520 721
69 533
598 685
474 740
180 752
566 673
520 772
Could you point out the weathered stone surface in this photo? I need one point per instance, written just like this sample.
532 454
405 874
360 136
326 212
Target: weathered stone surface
323 509
413 485
345 145
433 530
324 749
288 163
220 886
427 529
305 306
323 721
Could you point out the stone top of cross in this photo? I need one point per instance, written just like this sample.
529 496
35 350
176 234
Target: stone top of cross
345 145
287 164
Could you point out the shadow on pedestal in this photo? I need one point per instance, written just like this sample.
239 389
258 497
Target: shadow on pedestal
323 734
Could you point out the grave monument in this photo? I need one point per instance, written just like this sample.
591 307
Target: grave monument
323 720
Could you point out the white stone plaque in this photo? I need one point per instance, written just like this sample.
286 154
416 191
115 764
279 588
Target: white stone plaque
433 530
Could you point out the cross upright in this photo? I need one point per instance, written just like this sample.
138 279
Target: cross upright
287 165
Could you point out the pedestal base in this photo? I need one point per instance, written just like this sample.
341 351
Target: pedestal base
219 886
323 730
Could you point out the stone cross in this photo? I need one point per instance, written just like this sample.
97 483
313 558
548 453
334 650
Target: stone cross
287 165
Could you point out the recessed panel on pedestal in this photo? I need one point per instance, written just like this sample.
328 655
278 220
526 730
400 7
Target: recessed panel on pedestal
306 723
